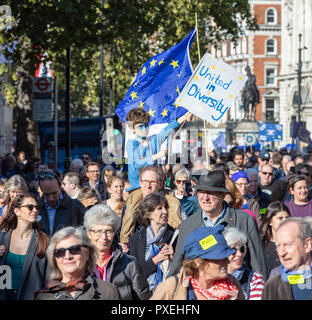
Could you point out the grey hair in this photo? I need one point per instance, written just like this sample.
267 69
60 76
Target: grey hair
233 167
101 214
182 172
16 182
305 230
81 165
81 235
233 235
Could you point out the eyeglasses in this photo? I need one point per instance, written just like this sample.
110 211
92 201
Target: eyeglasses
141 127
85 158
267 173
153 183
30 207
242 184
99 233
181 181
73 250
94 171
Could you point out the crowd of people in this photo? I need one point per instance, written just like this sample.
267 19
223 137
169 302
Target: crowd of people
239 229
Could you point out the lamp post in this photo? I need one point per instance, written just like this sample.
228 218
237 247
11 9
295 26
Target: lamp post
67 112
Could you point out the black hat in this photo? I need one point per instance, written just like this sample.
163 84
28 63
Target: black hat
213 181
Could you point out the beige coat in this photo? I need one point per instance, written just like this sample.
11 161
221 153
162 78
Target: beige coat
131 214
171 289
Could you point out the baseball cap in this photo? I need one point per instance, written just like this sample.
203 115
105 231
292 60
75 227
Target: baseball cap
207 243
264 155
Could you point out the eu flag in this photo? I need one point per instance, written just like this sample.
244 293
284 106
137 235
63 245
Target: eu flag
159 83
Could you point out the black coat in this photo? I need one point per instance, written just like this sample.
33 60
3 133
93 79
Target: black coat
69 213
138 245
34 270
126 275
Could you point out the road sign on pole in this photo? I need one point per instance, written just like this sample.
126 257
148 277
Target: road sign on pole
42 100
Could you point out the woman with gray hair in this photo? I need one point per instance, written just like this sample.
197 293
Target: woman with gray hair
72 258
112 265
183 192
251 282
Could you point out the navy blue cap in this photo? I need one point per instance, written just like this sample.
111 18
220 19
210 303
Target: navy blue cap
264 155
207 243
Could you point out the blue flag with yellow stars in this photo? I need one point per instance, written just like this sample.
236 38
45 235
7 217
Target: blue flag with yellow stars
159 83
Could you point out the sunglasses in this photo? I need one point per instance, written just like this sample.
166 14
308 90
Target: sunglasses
241 249
181 181
73 250
267 173
307 174
30 207
46 175
141 127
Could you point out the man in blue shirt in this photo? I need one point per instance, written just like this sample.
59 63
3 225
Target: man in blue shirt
57 209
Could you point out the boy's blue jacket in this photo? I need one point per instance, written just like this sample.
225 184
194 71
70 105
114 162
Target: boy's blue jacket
140 156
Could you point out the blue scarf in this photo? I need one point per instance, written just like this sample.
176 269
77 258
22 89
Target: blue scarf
286 275
151 251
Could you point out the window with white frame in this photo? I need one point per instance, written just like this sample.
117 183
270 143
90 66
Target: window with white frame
271 46
271 16
269 109
270 76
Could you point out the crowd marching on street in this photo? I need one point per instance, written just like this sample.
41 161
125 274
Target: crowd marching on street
238 229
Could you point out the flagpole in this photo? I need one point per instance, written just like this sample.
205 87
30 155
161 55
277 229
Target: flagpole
199 58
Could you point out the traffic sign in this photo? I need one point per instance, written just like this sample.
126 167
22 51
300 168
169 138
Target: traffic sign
42 85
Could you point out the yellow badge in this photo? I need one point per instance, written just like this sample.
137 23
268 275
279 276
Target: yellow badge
295 279
208 242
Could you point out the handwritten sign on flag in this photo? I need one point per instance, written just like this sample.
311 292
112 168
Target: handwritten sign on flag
211 90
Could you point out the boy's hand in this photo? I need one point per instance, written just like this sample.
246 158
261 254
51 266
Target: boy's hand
186 117
162 153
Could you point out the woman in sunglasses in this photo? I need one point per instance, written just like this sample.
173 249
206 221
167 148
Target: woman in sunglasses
300 206
72 259
112 265
183 192
251 282
22 249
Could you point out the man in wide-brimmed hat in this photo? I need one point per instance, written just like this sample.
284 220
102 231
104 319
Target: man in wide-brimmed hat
213 210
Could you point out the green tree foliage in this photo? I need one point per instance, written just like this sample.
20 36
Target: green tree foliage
130 32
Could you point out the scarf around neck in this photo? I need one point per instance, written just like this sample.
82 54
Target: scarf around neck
152 250
297 276
222 289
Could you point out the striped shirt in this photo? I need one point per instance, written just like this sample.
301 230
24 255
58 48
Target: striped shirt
256 286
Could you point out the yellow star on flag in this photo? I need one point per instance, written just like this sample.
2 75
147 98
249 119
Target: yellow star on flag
240 77
161 62
152 63
141 105
164 113
133 95
179 75
213 67
174 63
231 96
176 105
222 70
144 70
151 112
196 77
136 84
178 90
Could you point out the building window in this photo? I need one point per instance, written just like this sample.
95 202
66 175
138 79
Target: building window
270 46
270 76
269 109
270 16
